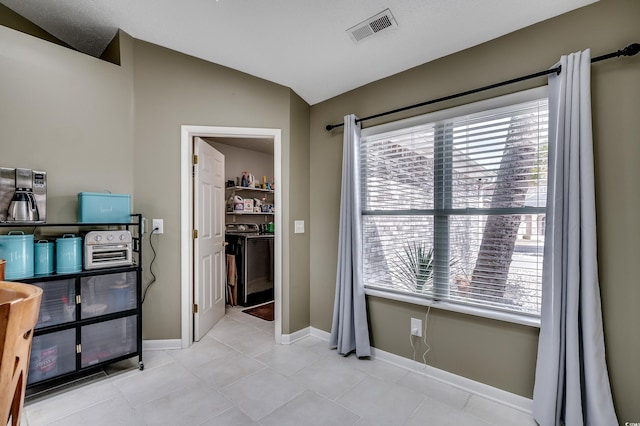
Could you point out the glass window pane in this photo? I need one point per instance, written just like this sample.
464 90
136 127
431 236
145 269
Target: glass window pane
462 247
397 171
398 252
497 260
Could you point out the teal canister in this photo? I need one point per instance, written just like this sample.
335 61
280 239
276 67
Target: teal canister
17 249
68 254
43 257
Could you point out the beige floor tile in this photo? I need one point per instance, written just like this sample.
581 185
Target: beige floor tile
261 393
310 409
185 406
329 377
380 402
237 375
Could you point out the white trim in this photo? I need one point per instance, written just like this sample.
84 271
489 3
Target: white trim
160 345
453 307
500 396
288 339
477 388
500 102
187 133
320 334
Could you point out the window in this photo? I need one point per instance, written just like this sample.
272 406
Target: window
453 205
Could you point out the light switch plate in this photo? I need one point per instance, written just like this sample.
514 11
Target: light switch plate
298 226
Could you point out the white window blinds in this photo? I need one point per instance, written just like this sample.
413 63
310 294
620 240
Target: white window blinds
454 210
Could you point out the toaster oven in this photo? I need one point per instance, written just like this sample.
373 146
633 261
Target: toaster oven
107 249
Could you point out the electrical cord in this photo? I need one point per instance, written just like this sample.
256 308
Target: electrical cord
424 340
413 348
424 334
153 280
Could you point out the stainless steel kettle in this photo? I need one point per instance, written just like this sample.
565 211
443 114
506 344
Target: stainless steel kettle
23 207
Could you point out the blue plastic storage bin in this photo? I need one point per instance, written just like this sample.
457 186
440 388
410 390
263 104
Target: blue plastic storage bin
102 207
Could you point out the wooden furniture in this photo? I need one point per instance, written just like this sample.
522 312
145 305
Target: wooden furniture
19 307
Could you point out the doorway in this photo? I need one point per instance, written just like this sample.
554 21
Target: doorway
188 133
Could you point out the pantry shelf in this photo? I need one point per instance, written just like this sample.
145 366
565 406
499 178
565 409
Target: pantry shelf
256 201
250 213
246 188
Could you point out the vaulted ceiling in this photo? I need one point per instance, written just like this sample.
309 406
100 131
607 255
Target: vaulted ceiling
301 44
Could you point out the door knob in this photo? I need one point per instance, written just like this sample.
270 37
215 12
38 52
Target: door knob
224 244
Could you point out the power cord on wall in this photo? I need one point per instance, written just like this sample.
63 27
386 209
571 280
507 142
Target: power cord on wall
424 334
424 340
153 280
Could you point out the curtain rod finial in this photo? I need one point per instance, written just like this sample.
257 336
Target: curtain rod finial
631 49
330 127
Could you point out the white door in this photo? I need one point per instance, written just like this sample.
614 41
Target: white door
209 275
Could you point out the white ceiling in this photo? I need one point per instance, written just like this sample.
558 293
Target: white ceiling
301 44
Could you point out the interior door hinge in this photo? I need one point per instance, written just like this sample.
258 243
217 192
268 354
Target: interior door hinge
78 300
78 348
195 233
195 308
195 159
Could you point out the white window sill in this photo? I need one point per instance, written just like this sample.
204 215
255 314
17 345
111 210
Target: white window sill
470 310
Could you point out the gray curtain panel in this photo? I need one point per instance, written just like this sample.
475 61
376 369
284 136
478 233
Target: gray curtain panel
571 384
350 329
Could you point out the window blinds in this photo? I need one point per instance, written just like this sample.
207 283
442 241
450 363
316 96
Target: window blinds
454 210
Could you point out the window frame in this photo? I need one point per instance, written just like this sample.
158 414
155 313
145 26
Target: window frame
434 117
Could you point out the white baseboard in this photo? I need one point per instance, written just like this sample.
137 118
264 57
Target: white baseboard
483 390
288 339
477 388
320 334
159 345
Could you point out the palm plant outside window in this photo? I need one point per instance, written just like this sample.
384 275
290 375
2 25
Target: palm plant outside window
453 210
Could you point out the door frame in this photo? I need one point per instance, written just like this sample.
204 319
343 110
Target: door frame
186 222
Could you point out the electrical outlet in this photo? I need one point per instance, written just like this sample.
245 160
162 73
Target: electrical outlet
298 227
158 225
416 327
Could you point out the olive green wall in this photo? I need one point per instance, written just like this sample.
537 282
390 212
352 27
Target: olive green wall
68 114
473 356
297 296
173 89
73 115
96 126
495 353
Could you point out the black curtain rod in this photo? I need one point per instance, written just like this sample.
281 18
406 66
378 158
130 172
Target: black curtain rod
630 50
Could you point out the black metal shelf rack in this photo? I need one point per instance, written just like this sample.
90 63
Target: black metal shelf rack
108 336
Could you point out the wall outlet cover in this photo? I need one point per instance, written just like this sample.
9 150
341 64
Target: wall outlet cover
416 327
158 226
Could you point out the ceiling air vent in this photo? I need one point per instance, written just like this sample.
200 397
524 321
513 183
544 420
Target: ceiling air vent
373 25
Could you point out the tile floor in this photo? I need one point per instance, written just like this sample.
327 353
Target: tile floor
236 375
